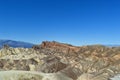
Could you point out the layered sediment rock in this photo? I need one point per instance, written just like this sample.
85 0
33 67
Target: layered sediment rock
55 47
72 61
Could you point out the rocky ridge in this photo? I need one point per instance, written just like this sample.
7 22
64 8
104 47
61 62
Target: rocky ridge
97 61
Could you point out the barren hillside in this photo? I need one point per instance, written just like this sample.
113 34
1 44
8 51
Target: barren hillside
77 63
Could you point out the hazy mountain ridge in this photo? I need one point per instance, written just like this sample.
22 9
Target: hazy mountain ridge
15 44
113 45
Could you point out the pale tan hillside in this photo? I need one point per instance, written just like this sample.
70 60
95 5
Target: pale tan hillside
95 62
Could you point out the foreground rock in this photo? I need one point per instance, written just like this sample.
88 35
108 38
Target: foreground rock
27 75
86 76
116 77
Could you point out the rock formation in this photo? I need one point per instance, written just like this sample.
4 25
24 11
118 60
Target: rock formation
57 47
95 62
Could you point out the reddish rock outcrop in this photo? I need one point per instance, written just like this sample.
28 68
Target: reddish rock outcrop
57 47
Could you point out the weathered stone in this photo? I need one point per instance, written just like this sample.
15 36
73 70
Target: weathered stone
32 67
87 76
53 57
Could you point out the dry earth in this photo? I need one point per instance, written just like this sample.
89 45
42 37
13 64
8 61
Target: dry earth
95 62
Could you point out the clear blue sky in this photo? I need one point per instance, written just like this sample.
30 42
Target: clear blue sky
77 22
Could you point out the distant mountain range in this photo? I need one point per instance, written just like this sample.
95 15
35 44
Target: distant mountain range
15 44
113 45
107 45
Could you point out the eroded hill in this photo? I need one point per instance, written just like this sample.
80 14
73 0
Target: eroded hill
96 61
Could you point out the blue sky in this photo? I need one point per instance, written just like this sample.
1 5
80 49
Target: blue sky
78 22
